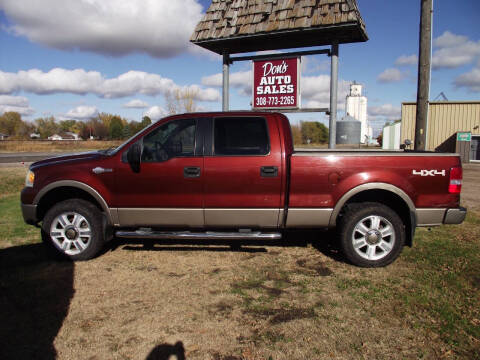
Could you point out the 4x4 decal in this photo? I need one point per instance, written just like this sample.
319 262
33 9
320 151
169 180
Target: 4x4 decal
428 172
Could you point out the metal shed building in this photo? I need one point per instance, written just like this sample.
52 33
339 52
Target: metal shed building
446 119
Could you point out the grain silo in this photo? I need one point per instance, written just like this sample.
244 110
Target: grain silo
348 130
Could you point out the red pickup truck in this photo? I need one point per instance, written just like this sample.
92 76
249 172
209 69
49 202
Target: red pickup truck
236 175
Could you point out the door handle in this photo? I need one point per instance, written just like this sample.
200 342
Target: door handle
191 172
269 171
100 170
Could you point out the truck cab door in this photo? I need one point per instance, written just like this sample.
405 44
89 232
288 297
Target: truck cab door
243 172
168 189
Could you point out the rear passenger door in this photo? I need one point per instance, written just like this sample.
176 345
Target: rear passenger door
243 175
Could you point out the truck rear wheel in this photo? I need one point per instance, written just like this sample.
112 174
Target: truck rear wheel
74 229
371 234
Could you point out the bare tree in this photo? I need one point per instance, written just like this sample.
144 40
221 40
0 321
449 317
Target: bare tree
181 101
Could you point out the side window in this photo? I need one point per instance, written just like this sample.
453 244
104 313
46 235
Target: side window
241 136
173 139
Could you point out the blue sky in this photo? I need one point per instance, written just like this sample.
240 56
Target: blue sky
74 58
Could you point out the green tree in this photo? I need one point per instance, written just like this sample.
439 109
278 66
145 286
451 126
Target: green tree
67 125
47 126
9 122
97 129
116 128
145 122
314 132
296 134
23 130
126 132
105 119
83 129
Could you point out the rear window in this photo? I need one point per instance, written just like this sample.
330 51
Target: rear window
241 136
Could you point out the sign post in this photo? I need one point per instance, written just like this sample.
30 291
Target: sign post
276 84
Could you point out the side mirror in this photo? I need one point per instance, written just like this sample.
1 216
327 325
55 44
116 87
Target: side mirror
134 156
406 145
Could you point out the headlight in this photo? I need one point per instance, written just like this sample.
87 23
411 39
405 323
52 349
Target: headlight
29 178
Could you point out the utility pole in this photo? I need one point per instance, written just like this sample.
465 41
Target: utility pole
423 88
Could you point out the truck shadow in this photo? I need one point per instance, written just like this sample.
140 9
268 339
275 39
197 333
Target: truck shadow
323 241
35 294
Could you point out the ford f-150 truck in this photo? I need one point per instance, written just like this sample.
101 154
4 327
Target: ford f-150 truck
236 175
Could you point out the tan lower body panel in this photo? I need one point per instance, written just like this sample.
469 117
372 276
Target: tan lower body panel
430 217
308 218
160 217
242 217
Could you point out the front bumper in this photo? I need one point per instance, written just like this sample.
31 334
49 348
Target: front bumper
455 216
29 213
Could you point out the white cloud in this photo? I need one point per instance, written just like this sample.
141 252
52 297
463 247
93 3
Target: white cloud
213 80
18 104
407 60
81 112
312 65
241 80
387 111
160 28
470 80
202 94
454 51
136 104
56 80
155 113
391 75
19 101
82 82
316 91
447 39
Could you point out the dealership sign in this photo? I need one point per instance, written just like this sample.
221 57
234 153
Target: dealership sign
276 84
464 136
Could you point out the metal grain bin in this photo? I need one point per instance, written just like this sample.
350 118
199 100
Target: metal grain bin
348 131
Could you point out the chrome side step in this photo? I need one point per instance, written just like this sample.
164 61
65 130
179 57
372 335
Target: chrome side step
187 235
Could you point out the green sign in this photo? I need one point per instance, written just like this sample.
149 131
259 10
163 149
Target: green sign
464 136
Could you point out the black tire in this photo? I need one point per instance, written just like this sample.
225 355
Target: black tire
77 232
371 234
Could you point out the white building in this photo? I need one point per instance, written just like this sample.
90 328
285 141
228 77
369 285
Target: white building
64 136
391 136
356 107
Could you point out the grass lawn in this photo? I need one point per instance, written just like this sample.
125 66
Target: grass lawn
13 231
10 146
295 299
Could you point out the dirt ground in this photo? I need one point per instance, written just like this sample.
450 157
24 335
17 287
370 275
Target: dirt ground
470 197
284 300
212 302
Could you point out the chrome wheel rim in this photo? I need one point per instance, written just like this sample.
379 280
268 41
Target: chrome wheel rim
71 233
373 237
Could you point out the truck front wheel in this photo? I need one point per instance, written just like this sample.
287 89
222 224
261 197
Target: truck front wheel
73 228
371 234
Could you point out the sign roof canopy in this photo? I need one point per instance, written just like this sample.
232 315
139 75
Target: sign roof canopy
237 26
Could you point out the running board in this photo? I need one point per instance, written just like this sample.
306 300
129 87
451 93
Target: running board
187 235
